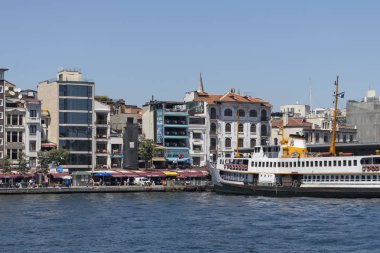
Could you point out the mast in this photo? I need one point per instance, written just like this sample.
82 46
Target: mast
336 95
237 155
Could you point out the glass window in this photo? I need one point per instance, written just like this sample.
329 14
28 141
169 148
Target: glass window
334 163
80 159
75 104
228 142
355 162
253 128
75 131
241 113
241 128
253 113
76 145
75 90
253 143
344 163
349 163
32 129
227 128
213 113
241 142
339 163
32 146
33 113
228 112
75 118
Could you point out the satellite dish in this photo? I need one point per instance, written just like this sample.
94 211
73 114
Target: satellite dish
12 93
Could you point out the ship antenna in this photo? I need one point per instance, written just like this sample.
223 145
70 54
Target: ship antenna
336 95
237 155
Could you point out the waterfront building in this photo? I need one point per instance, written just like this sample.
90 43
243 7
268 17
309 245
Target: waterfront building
70 101
2 112
230 120
295 110
22 124
102 137
166 122
365 115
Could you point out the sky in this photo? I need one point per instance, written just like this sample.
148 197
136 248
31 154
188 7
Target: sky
284 52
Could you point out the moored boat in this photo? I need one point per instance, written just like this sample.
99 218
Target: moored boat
290 170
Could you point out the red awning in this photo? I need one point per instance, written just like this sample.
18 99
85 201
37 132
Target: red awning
151 174
123 174
191 174
59 175
48 145
10 175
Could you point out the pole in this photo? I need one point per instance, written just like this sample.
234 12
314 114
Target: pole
237 155
332 144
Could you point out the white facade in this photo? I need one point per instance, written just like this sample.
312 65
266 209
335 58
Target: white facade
102 133
296 110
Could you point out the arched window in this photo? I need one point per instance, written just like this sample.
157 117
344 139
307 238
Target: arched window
264 131
253 113
253 143
227 128
241 128
213 113
212 143
213 128
264 115
241 113
253 128
228 142
276 141
228 112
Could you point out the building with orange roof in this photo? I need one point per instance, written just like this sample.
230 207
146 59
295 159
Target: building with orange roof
215 127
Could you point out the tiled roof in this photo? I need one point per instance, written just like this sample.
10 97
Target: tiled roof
292 122
228 97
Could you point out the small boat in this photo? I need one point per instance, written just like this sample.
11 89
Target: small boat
290 170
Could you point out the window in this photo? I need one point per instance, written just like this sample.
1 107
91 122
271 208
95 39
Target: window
1 101
241 128
253 128
241 142
241 113
1 129
212 143
75 104
75 118
228 112
213 128
227 128
76 145
32 146
75 131
33 113
317 137
1 115
264 131
75 90
1 89
253 143
32 129
227 143
253 113
1 154
264 115
197 136
213 113
355 162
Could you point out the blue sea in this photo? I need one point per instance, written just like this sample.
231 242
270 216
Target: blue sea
186 222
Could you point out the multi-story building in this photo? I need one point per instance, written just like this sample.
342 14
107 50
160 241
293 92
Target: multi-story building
365 115
231 120
295 110
23 124
166 123
103 146
70 102
2 112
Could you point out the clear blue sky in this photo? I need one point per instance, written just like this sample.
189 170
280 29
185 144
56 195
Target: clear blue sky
275 50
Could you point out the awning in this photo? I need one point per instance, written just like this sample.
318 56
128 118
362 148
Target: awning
123 174
59 175
158 159
151 174
102 174
170 173
10 175
191 174
81 173
48 145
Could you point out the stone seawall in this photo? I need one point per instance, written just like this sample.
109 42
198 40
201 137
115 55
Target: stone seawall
102 189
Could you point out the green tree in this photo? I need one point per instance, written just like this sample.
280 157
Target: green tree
146 150
6 163
22 163
45 158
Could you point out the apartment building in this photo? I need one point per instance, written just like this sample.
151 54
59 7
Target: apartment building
69 99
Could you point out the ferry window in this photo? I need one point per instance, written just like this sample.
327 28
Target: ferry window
374 177
274 164
290 164
313 177
325 163
339 163
320 163
259 164
369 178
347 178
327 178
352 178
307 163
357 178
316 164
270 164
252 164
341 178
376 160
303 164
267 164
309 177
295 164
344 163
318 178
363 178
279 164
349 163
286 164
329 163
355 162
299 164
282 164
323 178
334 163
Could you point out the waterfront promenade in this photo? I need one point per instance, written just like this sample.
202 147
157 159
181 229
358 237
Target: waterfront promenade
105 189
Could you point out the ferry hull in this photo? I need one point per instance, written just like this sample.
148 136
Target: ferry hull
319 192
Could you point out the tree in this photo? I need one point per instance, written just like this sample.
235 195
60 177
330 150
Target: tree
6 163
45 158
146 150
22 163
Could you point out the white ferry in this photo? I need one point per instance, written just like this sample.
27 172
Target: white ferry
290 170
